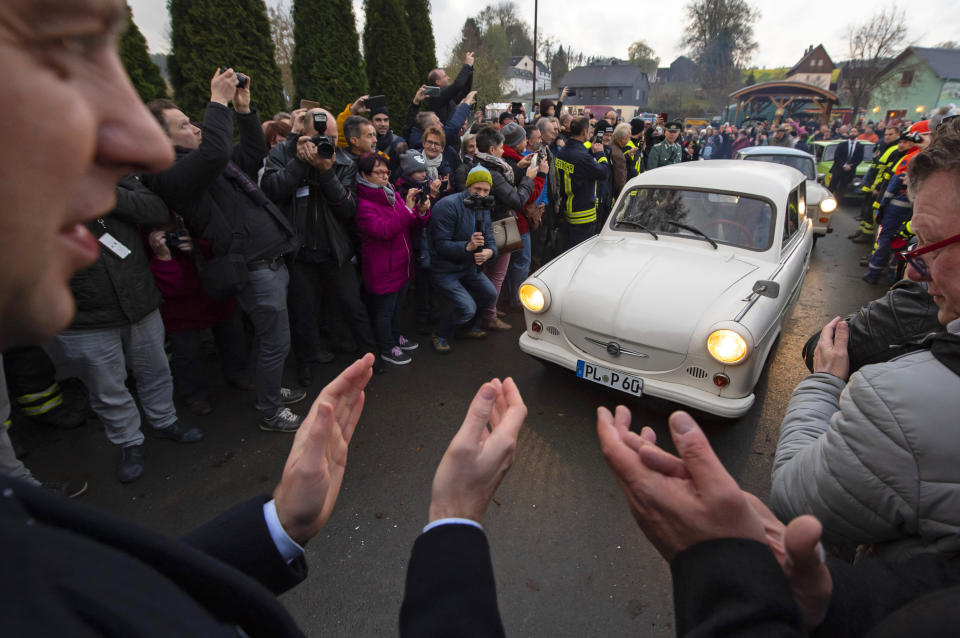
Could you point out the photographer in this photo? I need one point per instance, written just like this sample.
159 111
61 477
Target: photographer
418 121
444 102
312 182
212 186
461 242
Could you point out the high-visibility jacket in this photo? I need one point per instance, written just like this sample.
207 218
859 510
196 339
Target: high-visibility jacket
579 171
635 167
884 168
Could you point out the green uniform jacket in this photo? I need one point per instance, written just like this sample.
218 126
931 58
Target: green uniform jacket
664 154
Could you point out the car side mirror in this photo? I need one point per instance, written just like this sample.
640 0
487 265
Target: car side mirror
820 177
766 288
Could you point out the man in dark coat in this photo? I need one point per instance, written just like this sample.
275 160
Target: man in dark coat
846 158
212 185
118 324
451 93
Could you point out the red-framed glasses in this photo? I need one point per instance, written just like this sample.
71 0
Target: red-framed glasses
913 257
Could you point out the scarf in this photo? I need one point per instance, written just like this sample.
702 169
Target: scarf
387 190
504 167
433 166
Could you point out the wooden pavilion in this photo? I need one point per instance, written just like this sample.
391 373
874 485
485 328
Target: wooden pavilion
783 94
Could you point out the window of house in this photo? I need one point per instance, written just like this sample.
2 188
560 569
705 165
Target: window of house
820 62
619 93
606 93
593 92
906 78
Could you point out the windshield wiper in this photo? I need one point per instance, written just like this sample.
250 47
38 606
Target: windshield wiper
630 222
693 229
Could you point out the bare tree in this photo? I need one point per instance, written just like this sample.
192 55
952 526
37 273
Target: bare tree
281 30
871 45
719 37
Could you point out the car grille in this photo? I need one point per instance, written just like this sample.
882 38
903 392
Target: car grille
655 359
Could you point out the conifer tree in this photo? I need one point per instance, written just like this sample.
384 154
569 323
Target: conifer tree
326 53
388 53
144 74
421 31
207 34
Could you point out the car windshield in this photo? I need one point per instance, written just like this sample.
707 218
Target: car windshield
828 153
727 218
799 162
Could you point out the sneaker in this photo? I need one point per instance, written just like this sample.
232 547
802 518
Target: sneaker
440 344
131 463
396 356
283 421
474 333
70 489
863 238
290 396
406 344
497 324
180 432
871 277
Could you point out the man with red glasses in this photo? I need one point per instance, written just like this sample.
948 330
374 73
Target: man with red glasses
875 457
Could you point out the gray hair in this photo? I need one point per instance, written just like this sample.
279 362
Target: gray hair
622 132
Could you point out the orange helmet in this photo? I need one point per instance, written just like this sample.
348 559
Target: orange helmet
923 126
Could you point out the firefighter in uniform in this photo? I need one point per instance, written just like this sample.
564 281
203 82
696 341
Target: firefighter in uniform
668 151
896 209
885 156
579 168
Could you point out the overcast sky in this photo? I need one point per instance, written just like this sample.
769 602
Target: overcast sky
784 30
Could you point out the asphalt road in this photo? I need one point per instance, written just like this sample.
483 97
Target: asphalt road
569 559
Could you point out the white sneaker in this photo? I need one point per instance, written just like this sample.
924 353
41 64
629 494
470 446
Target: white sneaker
283 421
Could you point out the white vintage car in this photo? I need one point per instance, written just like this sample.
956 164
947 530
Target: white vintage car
684 291
820 200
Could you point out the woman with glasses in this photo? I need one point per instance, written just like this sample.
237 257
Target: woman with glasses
384 221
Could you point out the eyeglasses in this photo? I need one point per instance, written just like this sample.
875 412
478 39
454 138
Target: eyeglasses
913 258
431 143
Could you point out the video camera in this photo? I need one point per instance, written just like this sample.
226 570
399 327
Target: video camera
325 146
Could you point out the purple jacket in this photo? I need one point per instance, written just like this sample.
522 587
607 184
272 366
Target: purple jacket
386 253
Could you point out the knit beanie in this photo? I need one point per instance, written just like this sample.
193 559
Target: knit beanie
636 126
479 174
411 162
513 134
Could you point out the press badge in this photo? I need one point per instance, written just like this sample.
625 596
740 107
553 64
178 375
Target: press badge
303 191
113 245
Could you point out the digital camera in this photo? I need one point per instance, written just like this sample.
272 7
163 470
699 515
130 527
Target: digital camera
325 146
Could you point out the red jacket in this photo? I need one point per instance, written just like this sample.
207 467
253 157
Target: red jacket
386 253
538 182
186 305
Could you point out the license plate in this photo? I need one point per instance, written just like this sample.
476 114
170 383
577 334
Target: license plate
610 378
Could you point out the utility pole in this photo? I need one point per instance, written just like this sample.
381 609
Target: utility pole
533 97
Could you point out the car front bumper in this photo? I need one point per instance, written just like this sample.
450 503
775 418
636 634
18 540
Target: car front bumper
730 408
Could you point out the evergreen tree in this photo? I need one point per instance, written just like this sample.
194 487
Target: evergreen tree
144 74
327 66
559 65
388 52
207 34
424 45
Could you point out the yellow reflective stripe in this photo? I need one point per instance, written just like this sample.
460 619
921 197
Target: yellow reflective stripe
45 407
30 398
7 423
602 159
583 216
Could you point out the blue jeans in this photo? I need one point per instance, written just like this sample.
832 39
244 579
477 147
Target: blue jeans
385 315
466 291
518 271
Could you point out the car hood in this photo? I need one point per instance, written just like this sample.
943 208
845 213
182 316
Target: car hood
651 294
816 193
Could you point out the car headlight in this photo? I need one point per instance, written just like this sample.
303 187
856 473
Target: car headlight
534 298
726 346
828 205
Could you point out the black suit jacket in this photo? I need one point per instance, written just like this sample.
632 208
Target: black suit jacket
841 157
450 588
735 587
71 570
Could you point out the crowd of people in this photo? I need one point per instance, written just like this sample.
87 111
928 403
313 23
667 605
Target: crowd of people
146 225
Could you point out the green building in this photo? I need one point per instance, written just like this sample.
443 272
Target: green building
915 83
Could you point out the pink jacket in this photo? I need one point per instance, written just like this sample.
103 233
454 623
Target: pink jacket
386 255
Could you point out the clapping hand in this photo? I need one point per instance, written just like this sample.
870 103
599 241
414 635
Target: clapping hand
478 457
314 470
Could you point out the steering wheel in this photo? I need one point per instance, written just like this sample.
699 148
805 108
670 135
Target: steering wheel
748 235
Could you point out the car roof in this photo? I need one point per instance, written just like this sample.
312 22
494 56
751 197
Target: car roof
774 150
765 179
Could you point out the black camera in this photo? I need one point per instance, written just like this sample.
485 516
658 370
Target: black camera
432 91
571 93
172 238
325 146
477 202
516 108
242 80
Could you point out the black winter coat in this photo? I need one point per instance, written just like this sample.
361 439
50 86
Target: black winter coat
216 207
116 292
508 197
323 215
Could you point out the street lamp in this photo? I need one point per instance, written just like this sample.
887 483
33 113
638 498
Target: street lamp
533 96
